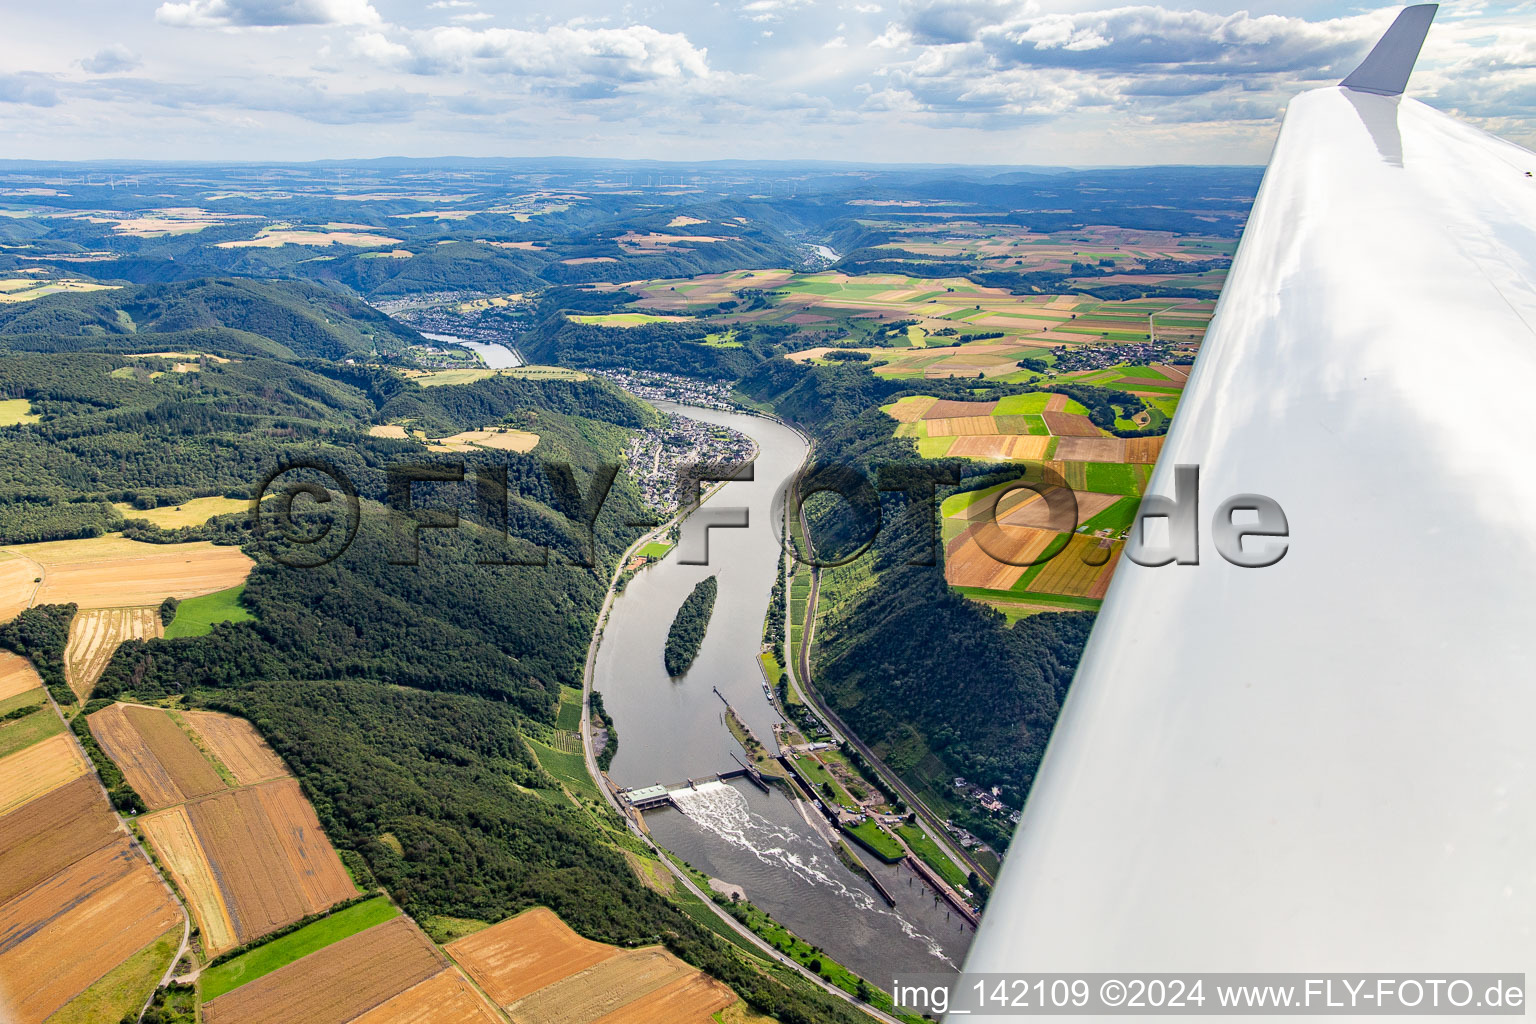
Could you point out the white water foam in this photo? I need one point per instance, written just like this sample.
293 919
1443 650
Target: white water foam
720 810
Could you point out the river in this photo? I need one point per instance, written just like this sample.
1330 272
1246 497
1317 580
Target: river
670 731
497 357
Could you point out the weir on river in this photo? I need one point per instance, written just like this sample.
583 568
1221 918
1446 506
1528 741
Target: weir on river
767 843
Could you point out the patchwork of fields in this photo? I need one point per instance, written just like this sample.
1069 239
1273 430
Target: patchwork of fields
86 925
230 826
1025 551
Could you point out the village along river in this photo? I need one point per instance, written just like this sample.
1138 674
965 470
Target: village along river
673 730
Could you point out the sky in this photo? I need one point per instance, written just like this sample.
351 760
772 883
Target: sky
1012 82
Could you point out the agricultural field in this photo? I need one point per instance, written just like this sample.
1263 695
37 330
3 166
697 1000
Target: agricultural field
500 438
190 513
1006 546
336 984
280 952
113 571
541 972
196 616
40 768
25 719
264 851
94 636
63 934
23 289
19 580
232 828
17 675
355 235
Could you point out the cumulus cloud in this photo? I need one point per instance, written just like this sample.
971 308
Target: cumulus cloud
265 13
771 10
29 90
637 53
112 60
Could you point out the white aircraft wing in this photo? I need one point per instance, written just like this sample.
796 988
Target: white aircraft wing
1328 764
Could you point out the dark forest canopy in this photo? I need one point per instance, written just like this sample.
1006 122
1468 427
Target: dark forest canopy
689 625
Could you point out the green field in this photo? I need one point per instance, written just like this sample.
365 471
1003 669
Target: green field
196 616
263 960
1111 478
569 718
877 840
655 549
618 319
1117 518
816 773
922 844
20 733
1018 405
14 411
569 769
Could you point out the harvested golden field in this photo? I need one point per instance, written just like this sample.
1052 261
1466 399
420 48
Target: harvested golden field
313 863
112 571
59 937
189 513
160 761
46 836
501 438
237 745
94 636
598 991
391 430
1091 449
17 675
446 997
336 984
1039 514
525 953
968 565
17 584
174 842
1069 573
1144 450
961 426
909 409
271 238
38 769
266 850
1002 446
693 999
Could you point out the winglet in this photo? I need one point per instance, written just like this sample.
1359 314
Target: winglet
1386 68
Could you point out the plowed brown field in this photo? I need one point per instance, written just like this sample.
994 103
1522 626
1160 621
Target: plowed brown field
444 999
1070 424
62 935
600 990
174 842
970 566
160 761
336 984
46 836
38 769
93 638
945 408
525 953
237 745
16 675
111 571
1091 449
689 1000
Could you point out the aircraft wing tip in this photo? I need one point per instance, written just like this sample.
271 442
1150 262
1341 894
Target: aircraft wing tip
1386 68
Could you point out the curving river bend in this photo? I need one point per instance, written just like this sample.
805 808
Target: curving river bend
670 731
